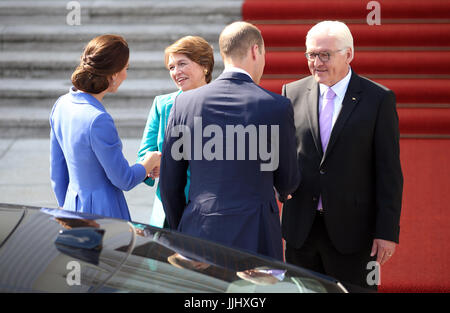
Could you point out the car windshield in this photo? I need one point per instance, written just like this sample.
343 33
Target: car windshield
174 262
51 250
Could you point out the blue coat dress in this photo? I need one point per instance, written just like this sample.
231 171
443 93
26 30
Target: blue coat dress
87 168
152 140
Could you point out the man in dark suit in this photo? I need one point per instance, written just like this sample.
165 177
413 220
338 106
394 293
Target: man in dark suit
239 141
346 211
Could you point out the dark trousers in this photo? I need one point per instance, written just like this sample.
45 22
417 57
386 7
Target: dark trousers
319 254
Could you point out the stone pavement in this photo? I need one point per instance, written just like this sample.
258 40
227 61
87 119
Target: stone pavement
40 46
25 176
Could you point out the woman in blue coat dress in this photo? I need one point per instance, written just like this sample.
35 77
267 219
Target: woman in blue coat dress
88 170
190 61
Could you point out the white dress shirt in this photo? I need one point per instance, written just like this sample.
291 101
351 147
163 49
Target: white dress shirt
340 88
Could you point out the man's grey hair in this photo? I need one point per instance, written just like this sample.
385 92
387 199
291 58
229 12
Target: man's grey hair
335 29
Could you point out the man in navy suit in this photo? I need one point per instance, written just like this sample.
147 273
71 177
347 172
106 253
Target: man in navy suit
239 141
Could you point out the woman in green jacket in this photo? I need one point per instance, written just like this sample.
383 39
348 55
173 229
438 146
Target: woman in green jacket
190 61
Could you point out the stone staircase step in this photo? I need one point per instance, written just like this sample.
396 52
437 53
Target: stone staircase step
25 107
39 51
121 12
74 38
60 65
34 122
44 92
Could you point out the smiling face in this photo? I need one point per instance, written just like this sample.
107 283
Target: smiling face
336 68
185 73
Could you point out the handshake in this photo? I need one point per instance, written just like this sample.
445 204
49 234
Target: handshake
151 162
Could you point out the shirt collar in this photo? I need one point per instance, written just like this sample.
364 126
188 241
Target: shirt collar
340 87
236 69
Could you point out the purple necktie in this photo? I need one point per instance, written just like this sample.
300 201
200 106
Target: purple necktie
326 118
325 121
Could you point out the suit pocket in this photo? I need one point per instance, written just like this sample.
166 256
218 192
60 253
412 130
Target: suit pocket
205 206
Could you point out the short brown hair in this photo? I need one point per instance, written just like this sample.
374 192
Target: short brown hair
196 49
103 56
237 38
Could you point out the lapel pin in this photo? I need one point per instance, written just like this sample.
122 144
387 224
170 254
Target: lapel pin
354 99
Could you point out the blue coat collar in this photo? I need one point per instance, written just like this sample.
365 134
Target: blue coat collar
82 97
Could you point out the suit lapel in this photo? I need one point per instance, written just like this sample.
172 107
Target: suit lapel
313 113
351 99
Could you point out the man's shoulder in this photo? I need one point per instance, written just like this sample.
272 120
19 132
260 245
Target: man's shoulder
272 95
302 83
372 85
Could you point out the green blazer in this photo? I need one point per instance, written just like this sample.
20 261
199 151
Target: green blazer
153 136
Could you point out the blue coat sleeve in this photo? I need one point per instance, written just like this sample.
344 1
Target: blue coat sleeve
107 147
59 174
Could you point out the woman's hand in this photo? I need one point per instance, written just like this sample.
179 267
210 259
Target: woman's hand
151 162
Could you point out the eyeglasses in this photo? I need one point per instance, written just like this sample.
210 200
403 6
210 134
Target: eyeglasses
324 56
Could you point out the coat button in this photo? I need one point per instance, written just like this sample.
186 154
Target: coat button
322 171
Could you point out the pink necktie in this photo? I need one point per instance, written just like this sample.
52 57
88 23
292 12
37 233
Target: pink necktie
325 123
326 117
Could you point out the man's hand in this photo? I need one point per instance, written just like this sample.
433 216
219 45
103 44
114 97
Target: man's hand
281 198
384 250
154 173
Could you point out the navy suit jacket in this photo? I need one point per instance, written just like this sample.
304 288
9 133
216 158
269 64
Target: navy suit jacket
225 130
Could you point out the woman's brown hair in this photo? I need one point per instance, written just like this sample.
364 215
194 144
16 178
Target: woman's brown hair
103 56
196 49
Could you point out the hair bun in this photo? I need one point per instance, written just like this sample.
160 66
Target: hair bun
89 81
89 68
103 56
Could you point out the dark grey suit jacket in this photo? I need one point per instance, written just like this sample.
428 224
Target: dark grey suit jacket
359 177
